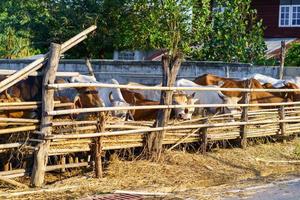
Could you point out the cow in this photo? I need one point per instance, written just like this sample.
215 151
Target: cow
114 100
210 97
292 96
178 98
255 97
138 99
153 95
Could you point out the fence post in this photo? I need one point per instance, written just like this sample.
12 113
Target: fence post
204 139
282 125
154 140
282 59
98 146
244 117
41 154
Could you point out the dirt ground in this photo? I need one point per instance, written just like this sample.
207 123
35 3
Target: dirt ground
180 174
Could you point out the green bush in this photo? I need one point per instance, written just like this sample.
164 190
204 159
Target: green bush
293 56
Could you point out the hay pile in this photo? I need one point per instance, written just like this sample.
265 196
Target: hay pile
180 173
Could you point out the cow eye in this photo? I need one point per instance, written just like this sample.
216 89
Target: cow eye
186 110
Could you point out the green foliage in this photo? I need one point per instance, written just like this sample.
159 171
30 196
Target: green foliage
173 25
187 26
293 56
14 46
235 36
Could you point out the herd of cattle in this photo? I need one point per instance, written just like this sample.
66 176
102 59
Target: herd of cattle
87 97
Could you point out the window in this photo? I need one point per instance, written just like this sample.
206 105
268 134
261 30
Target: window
296 16
284 15
126 55
289 13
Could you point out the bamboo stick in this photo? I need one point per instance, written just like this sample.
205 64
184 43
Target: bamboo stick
105 85
21 120
18 129
66 166
12 182
59 74
11 145
105 109
11 172
53 152
73 123
141 131
183 139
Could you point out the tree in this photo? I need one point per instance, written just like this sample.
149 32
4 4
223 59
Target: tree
293 55
170 25
236 35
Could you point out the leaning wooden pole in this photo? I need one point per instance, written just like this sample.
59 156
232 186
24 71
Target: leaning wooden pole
282 59
37 64
41 154
154 140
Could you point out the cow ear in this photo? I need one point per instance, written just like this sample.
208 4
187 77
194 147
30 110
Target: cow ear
111 98
77 102
193 95
220 83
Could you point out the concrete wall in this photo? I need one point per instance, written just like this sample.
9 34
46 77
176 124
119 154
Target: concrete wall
149 72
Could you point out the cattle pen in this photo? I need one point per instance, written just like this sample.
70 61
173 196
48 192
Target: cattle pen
33 147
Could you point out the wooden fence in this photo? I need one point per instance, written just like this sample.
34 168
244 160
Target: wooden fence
53 142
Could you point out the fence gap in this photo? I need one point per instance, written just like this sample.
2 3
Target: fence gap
244 116
41 154
170 68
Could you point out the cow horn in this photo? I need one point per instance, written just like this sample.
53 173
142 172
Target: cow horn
111 98
220 83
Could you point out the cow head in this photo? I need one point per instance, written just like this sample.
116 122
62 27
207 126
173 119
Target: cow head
230 100
294 96
118 103
184 99
88 98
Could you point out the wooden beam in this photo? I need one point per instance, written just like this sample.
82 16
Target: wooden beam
37 64
41 155
282 59
154 140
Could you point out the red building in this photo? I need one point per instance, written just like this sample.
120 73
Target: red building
281 18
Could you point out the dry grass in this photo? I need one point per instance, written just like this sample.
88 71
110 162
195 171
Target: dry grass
180 173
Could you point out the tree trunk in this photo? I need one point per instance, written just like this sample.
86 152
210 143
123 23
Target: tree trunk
154 139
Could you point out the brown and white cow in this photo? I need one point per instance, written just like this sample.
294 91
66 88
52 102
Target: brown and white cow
255 97
137 99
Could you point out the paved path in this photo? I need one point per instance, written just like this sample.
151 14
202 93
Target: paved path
281 190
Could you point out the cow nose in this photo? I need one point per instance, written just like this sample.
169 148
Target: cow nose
180 115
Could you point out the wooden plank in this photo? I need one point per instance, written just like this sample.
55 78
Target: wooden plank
41 155
164 88
100 109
